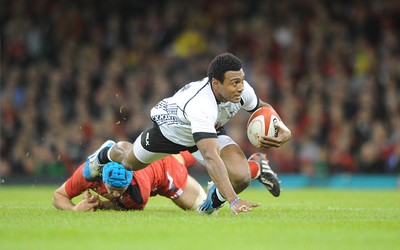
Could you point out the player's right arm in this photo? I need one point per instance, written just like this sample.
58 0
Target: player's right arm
74 186
62 201
209 148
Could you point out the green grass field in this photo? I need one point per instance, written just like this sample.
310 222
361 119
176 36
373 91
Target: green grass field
299 219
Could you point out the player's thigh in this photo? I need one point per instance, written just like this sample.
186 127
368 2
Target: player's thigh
151 145
193 195
236 164
144 155
223 141
234 159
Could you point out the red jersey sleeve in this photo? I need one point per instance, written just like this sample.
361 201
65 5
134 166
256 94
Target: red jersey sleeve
188 157
77 184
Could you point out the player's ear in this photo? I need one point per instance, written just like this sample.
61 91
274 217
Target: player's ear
215 82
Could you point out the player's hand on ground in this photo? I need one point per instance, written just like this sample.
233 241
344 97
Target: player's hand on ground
87 195
89 202
242 206
284 135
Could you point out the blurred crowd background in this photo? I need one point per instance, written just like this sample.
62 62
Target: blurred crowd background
75 73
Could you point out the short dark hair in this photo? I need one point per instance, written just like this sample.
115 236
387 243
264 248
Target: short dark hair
221 64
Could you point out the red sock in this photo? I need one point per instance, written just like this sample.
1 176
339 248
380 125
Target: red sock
254 169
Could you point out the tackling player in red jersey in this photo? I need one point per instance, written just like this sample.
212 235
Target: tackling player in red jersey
128 190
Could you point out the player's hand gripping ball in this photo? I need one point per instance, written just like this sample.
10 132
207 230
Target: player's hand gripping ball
262 123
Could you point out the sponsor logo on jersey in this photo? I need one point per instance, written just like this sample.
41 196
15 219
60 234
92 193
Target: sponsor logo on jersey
147 139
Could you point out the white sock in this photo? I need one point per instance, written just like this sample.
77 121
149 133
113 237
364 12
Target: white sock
109 152
220 197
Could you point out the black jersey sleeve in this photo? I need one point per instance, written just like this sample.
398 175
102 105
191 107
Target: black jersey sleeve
202 135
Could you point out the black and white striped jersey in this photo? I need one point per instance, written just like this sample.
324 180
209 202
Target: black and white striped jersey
194 110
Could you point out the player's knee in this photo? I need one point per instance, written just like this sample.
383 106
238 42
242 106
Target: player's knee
240 181
118 151
124 145
201 197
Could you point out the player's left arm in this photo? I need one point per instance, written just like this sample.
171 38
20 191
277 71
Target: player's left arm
284 133
251 103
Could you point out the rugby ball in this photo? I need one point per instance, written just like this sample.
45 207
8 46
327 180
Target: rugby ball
261 123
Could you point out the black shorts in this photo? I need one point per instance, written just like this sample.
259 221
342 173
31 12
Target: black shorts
154 141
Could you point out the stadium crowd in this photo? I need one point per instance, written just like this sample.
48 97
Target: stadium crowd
71 70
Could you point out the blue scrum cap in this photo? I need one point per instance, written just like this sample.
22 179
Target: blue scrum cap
115 175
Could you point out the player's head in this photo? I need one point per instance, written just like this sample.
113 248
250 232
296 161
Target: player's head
227 78
221 64
116 178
